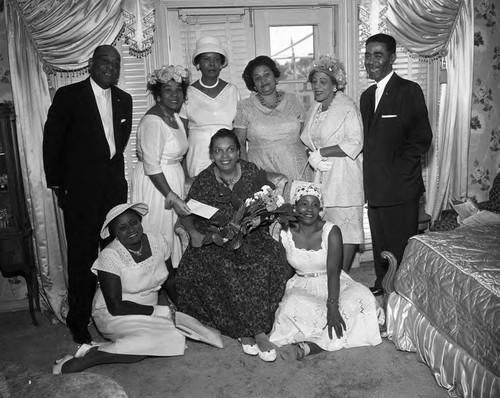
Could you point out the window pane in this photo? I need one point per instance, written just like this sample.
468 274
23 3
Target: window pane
292 48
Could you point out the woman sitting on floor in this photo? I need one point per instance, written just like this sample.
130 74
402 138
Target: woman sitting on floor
131 271
235 291
321 298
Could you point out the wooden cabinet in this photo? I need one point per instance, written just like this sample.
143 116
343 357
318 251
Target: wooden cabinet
16 246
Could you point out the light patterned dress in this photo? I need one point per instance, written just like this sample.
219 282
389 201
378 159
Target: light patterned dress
273 135
160 149
302 313
136 334
206 115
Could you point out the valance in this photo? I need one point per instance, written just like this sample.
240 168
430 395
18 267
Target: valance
424 27
65 33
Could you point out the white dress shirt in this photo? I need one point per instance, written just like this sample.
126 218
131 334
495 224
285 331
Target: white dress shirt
381 87
103 99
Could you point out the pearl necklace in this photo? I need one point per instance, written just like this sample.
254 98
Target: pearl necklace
168 115
320 115
206 85
136 252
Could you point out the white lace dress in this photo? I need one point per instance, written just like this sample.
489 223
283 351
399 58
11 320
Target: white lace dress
301 315
136 334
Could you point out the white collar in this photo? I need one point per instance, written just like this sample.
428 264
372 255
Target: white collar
382 83
98 90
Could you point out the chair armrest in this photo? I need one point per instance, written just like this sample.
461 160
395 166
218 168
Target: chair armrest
183 234
279 180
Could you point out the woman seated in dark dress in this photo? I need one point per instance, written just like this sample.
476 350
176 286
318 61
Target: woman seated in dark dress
235 291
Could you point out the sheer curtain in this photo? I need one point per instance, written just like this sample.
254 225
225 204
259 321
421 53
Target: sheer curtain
46 35
433 29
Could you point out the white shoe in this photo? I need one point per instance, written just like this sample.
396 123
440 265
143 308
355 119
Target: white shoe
267 356
56 369
249 349
84 348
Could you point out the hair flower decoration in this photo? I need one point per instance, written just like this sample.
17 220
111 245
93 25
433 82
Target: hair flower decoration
330 65
166 73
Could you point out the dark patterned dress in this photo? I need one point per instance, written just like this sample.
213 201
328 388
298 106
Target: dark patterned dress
232 290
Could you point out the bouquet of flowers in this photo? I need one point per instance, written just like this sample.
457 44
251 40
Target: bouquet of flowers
264 207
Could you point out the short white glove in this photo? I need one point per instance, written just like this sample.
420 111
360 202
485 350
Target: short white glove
161 310
319 162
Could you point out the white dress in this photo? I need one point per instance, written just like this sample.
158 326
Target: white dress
160 149
206 115
136 334
302 313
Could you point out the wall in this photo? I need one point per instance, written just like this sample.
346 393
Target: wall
484 150
12 290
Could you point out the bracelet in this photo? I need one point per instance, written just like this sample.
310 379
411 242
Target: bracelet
332 301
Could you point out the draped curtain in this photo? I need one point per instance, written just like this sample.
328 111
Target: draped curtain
433 29
50 35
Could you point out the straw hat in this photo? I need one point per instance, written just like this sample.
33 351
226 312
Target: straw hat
209 44
141 208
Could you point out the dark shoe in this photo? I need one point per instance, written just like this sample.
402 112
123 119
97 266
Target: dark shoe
377 291
81 336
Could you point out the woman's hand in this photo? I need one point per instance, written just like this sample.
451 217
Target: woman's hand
196 238
335 321
173 201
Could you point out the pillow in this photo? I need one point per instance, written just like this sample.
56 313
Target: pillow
194 329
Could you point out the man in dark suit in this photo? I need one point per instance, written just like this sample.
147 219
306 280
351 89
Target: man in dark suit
396 134
87 129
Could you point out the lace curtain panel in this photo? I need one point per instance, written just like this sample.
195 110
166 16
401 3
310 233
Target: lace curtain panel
432 29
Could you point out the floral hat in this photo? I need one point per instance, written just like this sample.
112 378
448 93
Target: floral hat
332 67
307 189
166 73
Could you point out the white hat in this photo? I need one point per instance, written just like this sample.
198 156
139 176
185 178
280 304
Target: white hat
304 188
209 44
141 208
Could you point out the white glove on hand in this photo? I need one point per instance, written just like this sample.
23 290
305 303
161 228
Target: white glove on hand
319 162
161 310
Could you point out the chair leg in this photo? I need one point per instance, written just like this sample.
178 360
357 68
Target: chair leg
29 284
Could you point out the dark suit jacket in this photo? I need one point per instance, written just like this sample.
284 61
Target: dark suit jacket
75 149
395 137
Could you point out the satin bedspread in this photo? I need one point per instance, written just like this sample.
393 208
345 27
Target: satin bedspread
447 307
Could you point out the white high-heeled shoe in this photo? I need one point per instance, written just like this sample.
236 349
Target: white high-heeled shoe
57 368
249 349
268 356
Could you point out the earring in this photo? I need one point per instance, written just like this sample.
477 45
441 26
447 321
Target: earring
321 214
335 89
197 67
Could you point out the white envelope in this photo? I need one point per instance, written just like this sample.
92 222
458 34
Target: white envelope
201 209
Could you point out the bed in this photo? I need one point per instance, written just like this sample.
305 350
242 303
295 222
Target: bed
446 307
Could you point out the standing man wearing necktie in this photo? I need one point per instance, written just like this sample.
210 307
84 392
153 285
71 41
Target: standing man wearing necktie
396 134
87 129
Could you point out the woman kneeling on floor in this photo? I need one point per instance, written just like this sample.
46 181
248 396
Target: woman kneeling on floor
131 271
320 297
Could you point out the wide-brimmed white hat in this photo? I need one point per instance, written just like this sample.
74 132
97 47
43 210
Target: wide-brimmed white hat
209 44
141 208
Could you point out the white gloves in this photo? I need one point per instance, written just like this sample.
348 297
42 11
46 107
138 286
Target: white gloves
319 162
172 201
162 310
